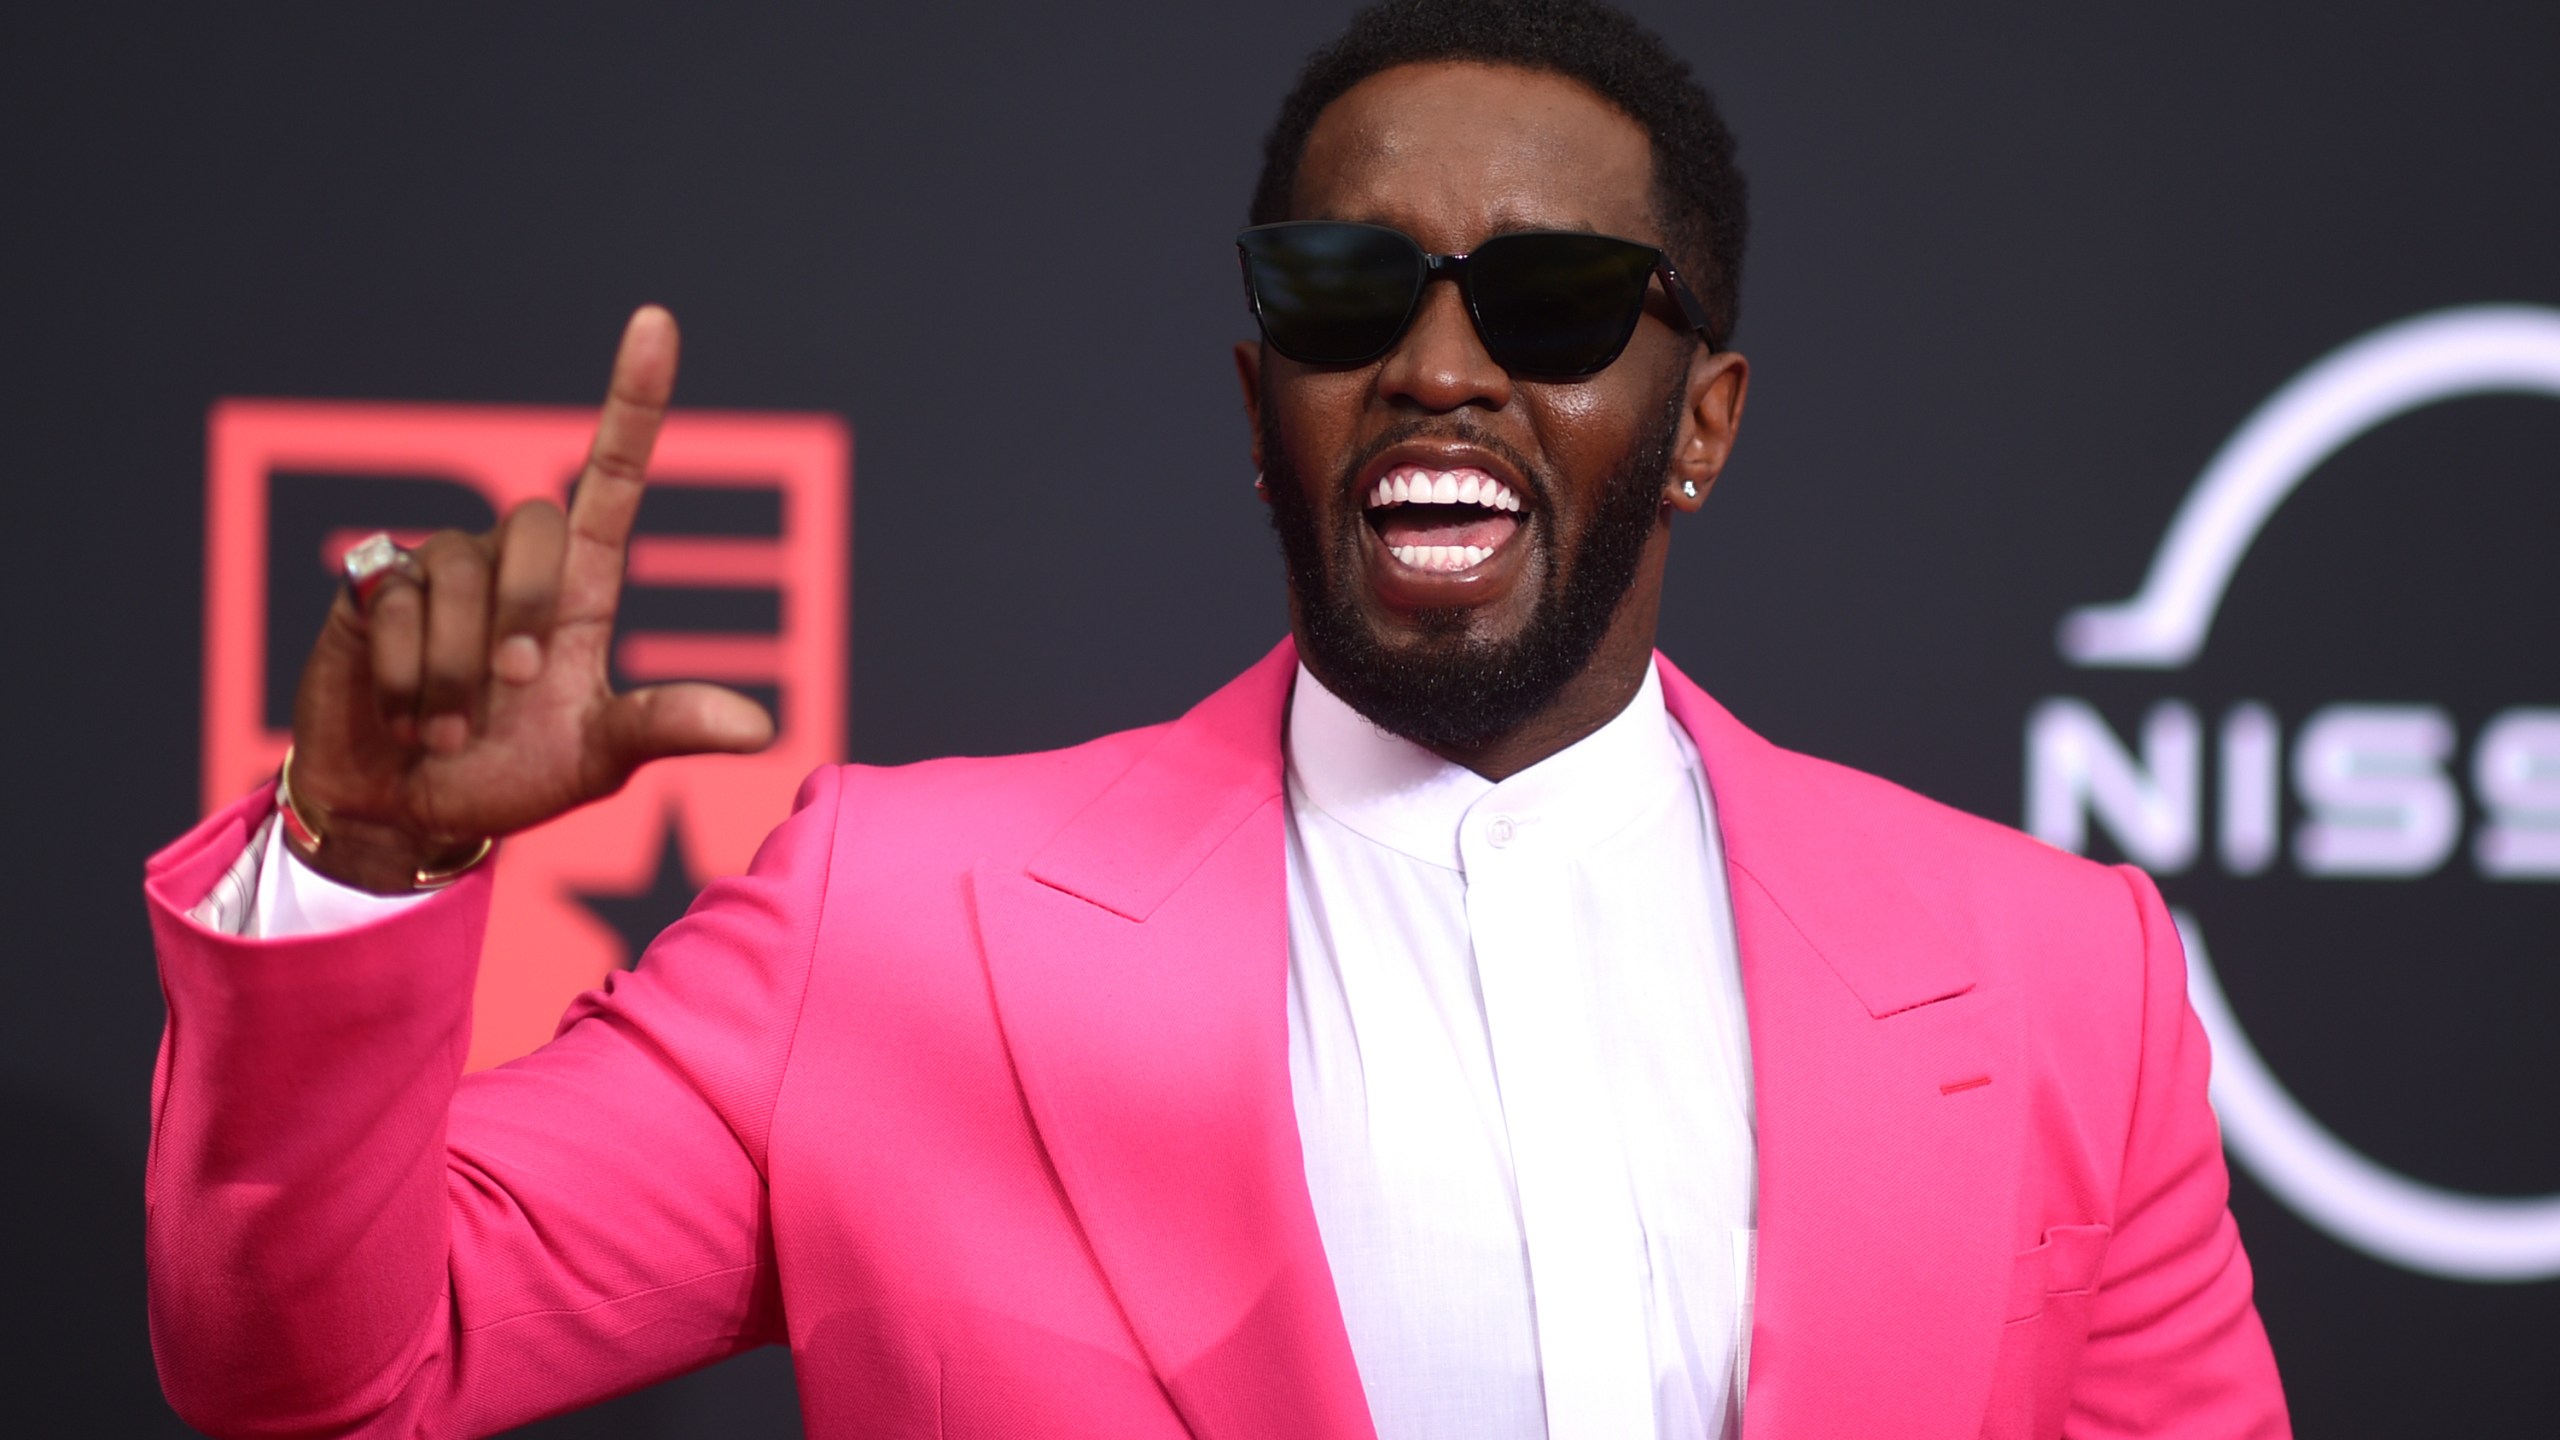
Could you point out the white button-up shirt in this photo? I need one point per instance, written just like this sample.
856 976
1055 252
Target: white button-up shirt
1517 1046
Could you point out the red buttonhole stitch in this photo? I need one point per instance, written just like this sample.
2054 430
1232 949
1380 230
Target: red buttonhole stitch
1976 1083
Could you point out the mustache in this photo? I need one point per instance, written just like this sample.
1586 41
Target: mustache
1460 428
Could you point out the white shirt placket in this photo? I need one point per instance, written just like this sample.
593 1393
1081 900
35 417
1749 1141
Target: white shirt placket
1586 1247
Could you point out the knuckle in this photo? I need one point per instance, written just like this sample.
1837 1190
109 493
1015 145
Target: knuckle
396 600
458 564
617 465
521 601
528 565
345 620
647 402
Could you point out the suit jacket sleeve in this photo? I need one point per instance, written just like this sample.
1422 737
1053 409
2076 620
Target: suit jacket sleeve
2175 1345
346 1235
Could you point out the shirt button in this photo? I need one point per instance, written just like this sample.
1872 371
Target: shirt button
1500 831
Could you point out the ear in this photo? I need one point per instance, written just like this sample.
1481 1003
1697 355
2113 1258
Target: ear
1709 421
1249 375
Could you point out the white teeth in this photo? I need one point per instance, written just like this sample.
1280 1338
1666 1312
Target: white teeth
1450 558
1423 487
1409 485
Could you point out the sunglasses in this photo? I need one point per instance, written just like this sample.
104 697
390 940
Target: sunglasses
1557 303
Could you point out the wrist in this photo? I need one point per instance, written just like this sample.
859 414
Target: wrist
368 855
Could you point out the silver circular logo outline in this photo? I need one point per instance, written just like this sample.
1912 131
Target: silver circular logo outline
2437 356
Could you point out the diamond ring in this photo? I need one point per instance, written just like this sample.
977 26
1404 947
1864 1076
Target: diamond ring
375 559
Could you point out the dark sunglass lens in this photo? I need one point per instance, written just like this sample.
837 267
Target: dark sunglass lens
1331 294
1558 304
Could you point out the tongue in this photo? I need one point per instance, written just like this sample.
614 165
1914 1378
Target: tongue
1446 525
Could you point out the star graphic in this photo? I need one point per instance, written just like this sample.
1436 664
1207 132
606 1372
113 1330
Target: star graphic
638 916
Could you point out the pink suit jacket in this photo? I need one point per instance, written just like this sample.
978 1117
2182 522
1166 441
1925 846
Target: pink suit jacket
975 1092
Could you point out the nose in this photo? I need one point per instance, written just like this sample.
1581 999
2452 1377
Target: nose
1440 365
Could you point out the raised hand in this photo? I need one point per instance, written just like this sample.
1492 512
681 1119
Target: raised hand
473 701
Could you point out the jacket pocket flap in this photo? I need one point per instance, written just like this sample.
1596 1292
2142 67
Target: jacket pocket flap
2065 1264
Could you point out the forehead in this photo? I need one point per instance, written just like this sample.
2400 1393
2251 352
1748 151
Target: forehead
1451 152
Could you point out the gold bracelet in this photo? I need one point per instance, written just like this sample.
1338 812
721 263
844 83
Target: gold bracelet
438 879
305 838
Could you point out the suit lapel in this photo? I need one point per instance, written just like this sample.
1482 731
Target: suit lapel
1140 965
1889 1100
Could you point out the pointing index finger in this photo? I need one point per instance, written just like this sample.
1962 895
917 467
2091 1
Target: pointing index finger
608 498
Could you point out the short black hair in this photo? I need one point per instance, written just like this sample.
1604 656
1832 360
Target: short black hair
1699 195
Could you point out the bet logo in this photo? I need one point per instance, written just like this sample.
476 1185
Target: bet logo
2363 822
737 574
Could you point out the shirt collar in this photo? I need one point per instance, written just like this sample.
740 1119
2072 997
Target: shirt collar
1399 795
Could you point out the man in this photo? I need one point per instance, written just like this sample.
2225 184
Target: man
1457 1025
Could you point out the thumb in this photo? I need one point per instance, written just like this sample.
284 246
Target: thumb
659 721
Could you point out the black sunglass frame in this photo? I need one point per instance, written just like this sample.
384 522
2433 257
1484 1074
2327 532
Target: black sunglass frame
1454 267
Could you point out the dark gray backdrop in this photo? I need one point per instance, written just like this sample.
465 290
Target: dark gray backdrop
2017 271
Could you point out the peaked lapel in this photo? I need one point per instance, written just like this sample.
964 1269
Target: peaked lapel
1140 965
1890 1107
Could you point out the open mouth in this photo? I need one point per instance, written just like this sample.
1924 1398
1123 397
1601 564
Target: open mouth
1442 521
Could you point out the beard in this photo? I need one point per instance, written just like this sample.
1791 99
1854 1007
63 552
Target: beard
1455 692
